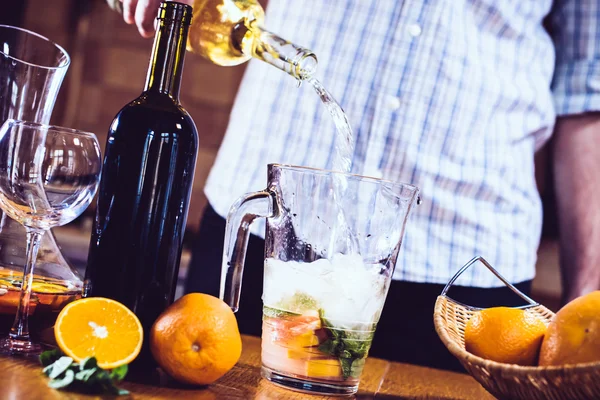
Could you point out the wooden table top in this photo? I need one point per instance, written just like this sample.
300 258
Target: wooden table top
23 379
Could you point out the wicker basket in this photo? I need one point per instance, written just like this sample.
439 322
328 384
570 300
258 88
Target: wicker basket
510 381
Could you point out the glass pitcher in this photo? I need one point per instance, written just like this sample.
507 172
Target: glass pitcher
331 245
32 69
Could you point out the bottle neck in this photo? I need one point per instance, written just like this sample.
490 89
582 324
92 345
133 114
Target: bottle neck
297 61
168 53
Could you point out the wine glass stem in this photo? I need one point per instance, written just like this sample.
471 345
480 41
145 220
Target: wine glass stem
20 328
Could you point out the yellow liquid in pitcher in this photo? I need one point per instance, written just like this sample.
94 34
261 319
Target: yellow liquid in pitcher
222 30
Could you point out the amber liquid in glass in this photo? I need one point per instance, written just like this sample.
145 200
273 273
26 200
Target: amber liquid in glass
48 298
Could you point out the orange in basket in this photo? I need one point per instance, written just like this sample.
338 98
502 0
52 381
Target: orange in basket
574 334
505 334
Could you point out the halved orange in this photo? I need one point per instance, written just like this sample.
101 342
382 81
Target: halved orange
99 327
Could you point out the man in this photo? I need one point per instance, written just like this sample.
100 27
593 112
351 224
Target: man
452 96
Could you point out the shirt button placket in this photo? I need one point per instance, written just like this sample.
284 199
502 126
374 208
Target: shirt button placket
414 30
387 104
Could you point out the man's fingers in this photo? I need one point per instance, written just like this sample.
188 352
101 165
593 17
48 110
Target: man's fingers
145 14
129 10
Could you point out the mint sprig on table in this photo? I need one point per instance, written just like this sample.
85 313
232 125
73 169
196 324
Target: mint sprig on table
85 376
350 347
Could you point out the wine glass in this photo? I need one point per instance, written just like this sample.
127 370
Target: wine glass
48 177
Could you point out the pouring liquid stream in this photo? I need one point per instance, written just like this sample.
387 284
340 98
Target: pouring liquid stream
342 239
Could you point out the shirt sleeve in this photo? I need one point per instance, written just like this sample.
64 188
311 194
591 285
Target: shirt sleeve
575 30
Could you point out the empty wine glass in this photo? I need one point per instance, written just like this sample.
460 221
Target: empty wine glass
48 177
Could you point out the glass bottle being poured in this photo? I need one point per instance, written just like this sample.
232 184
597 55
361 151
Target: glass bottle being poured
229 32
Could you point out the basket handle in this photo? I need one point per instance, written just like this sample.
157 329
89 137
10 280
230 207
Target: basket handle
489 266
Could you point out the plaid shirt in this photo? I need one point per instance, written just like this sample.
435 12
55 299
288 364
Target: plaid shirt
453 96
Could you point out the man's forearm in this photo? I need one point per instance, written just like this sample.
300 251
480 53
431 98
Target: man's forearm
576 161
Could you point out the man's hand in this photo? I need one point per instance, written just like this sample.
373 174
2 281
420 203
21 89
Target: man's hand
143 13
576 160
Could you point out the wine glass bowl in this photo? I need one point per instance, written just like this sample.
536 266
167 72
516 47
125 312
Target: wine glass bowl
48 177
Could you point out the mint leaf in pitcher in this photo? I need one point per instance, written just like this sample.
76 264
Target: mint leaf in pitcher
349 346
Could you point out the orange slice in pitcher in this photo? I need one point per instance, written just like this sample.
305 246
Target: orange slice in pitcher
99 327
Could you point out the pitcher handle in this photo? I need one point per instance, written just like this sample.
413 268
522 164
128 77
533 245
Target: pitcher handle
237 231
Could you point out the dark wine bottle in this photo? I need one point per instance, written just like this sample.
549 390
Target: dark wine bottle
146 184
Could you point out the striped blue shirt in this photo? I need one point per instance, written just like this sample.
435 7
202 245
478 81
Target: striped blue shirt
454 96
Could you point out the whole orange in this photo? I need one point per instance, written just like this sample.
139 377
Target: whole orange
506 335
574 333
196 340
